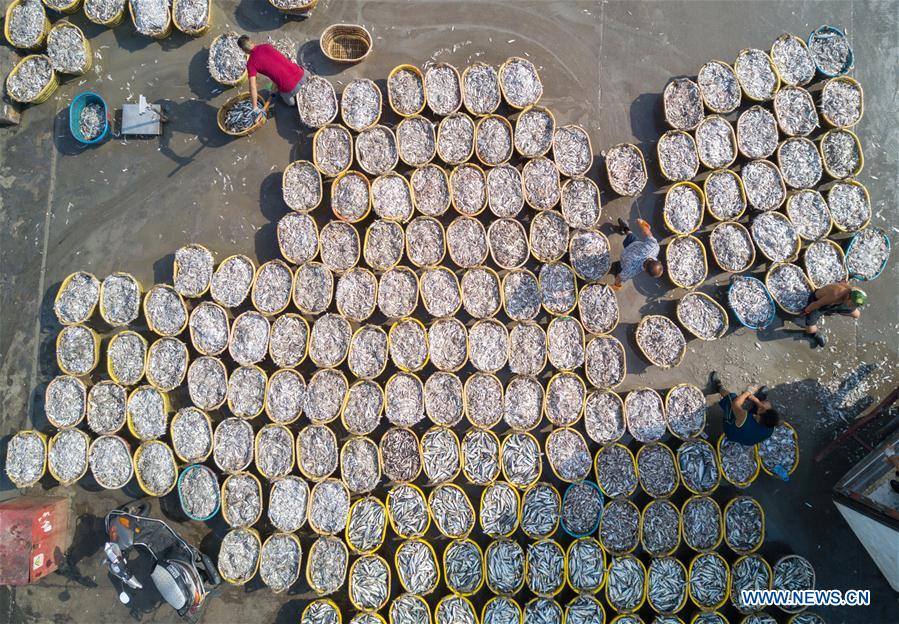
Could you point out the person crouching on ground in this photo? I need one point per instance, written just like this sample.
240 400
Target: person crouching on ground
839 298
265 59
745 424
638 255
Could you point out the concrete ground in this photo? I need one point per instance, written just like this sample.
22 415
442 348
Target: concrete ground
127 205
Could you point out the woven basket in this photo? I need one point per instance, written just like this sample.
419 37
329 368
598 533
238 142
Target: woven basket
43 438
711 449
858 146
735 598
660 501
666 449
768 288
161 34
751 247
839 250
743 484
485 612
502 86
761 509
257 450
71 7
596 469
179 415
720 524
552 118
481 556
129 419
683 600
642 597
89 56
49 465
665 174
773 67
702 201
45 93
8 34
345 43
417 72
218 496
502 448
396 565
733 141
193 32
140 295
238 582
726 593
62 287
477 128
112 22
143 486
458 82
705 194
861 113
696 293
850 59
315 156
349 541
260 121
792 468
224 498
356 605
242 77
96 338
680 356
867 200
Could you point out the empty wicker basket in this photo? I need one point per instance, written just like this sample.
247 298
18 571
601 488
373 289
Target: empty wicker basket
346 43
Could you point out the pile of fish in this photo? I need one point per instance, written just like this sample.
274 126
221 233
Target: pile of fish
241 116
785 138
91 121
362 322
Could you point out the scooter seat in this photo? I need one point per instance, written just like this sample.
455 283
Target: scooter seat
170 580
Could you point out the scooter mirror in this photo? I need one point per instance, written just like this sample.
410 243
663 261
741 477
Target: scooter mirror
124 598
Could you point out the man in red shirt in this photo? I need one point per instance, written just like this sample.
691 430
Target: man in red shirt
265 59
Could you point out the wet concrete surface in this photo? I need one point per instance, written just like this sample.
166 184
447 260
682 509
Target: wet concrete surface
127 205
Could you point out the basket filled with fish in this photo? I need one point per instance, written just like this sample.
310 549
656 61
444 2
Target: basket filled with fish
417 566
191 435
126 357
830 50
800 163
619 527
793 573
26 25
238 557
626 169
764 184
682 102
227 61
360 104
316 102
406 90
775 236
545 567
317 455
572 151
751 302
147 413
749 572
716 143
65 401
757 75
326 565
76 298
739 464
793 60
534 131
626 584
77 350
274 448
685 258
468 189
582 506
809 214
360 466
463 567
850 205
26 457
232 445
781 449
657 470
366 525
660 341
867 254
702 316
605 362
645 415
616 471
32 80
493 140
500 510
698 465
151 18
708 580
541 510
660 527
480 456
683 209
789 287
416 141
154 467
287 503
207 382
678 158
332 150
504 566
279 561
701 525
110 462
585 565
841 153
481 92
192 17
666 585
725 197
842 102
198 492
238 117
69 50
825 263
241 500
443 89
744 525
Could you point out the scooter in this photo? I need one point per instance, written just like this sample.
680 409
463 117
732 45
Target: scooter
184 576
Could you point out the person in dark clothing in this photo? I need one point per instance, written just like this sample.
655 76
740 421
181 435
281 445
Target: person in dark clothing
839 298
745 424
265 59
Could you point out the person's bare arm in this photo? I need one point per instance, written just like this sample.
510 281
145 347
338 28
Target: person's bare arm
827 295
739 410
644 227
254 94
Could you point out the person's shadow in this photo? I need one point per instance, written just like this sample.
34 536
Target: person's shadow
193 118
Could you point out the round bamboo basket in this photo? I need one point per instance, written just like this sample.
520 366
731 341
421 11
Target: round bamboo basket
44 94
667 175
396 565
440 128
502 86
151 377
739 484
702 201
356 605
143 486
129 419
343 108
486 610
350 542
465 73
43 438
861 113
442 255
293 538
176 269
633 148
453 195
96 339
502 464
748 238
178 415
150 324
315 155
773 67
453 486
239 582
239 79
790 469
602 565
556 469
720 524
842 256
230 401
284 266
130 464
193 334
785 37
726 593
224 499
345 43
223 111
458 84
392 520
670 453
559 313
71 7
672 550
683 600
456 445
193 32
735 598
88 51
480 554
257 454
104 313
733 142
110 22
221 366
689 487
714 303
557 513
642 598
160 34
517 515
790 200
552 118
395 71
350 356
433 152
786 608
62 287
867 222
466 461
298 163
705 194
774 297
858 146
323 601
6 32
110 369
599 480
741 551
680 356
477 129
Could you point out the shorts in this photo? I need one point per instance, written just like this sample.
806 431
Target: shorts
290 97
816 315
726 404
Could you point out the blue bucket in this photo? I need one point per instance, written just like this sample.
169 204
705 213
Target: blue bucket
885 261
75 108
770 318
218 501
850 58
598 516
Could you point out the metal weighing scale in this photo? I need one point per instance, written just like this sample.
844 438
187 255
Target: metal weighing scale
142 119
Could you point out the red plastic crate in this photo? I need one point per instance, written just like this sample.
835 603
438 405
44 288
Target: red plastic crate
34 536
